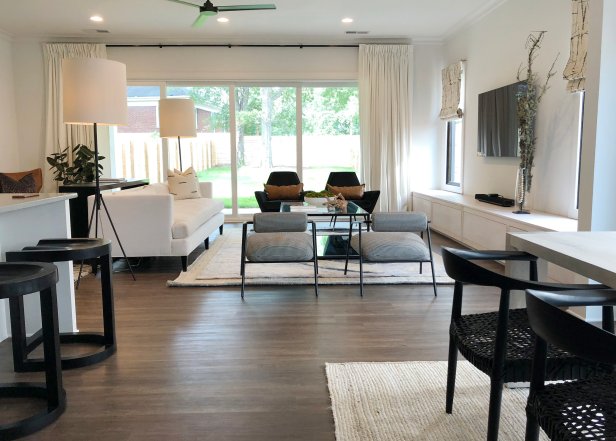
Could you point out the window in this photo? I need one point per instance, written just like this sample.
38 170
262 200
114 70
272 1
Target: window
210 152
330 133
137 149
244 131
265 138
454 153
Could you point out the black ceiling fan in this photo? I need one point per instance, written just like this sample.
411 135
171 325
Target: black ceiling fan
208 9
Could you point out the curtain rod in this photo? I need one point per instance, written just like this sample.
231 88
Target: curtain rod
301 46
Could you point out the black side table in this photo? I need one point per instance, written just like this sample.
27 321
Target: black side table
16 280
79 205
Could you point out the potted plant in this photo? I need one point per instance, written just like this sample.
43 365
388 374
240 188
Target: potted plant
81 170
527 102
318 198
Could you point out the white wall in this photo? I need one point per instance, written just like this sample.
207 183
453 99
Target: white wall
598 180
237 63
29 87
9 149
426 137
494 47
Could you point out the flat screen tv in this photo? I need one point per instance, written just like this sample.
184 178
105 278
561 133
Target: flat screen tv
497 133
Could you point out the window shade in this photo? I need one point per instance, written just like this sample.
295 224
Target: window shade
575 71
452 84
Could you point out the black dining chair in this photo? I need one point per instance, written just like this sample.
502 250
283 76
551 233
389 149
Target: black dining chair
577 410
501 343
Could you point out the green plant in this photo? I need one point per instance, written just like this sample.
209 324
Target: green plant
319 194
81 170
527 104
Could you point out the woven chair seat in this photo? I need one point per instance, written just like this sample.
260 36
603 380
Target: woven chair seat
577 410
475 336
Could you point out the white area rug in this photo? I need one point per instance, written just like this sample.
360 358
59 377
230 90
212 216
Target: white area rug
406 401
220 266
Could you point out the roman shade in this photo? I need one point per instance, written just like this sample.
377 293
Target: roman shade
575 70
452 91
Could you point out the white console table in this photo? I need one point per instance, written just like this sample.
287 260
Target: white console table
22 223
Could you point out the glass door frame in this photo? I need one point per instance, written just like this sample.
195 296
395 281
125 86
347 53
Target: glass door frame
298 85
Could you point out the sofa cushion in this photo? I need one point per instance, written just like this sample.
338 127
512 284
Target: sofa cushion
183 185
190 214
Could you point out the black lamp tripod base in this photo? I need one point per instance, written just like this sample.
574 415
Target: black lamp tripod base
96 208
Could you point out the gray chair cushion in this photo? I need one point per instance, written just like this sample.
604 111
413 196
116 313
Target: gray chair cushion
278 222
404 221
279 247
391 247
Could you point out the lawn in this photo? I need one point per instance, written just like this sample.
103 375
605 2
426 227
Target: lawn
251 179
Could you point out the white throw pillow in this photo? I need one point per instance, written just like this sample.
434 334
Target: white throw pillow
183 185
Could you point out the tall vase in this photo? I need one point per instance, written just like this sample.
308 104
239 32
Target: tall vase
521 190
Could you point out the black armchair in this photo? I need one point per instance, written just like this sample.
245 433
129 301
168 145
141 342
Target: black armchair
349 179
277 178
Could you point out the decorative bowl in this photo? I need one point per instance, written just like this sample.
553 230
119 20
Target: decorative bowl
317 202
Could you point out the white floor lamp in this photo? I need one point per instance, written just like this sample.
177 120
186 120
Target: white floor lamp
94 92
177 118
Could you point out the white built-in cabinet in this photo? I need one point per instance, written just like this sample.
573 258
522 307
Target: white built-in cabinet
480 225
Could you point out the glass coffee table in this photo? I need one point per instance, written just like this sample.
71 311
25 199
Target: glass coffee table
331 241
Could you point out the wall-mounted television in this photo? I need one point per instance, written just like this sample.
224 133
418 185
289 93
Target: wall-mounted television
497 134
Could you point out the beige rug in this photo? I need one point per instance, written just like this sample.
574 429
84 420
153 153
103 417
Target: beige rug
406 401
220 266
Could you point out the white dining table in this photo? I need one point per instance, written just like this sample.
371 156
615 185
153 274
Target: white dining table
591 254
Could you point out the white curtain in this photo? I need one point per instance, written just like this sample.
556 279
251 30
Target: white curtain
451 78
385 115
58 135
575 71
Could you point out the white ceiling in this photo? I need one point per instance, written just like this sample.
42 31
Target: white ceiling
293 22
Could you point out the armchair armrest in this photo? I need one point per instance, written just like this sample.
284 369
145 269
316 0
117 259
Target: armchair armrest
143 222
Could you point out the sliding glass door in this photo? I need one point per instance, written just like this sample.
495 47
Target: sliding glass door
265 138
330 133
244 132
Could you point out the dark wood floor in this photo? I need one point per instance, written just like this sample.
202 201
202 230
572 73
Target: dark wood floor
200 364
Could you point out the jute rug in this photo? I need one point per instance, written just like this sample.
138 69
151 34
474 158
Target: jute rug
406 401
220 266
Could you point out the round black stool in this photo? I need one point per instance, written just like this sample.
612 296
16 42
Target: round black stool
17 280
61 250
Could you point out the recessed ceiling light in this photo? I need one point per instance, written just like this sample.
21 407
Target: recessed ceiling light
222 19
96 18
347 20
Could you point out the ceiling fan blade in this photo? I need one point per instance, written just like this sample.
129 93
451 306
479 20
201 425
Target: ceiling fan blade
200 20
184 3
246 7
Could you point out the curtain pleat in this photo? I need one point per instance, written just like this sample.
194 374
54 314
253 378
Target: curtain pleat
385 115
575 70
58 135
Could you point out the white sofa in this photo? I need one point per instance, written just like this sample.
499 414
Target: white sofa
150 222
